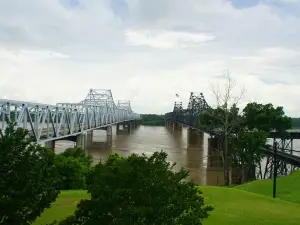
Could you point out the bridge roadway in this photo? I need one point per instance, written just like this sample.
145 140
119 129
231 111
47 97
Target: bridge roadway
287 157
60 121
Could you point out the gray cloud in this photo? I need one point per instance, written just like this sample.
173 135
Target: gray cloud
146 51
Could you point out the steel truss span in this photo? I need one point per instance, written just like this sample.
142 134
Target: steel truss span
197 105
51 122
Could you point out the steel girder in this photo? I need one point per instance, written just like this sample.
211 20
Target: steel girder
197 105
50 122
283 168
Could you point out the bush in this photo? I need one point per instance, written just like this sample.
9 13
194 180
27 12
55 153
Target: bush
28 178
73 167
139 190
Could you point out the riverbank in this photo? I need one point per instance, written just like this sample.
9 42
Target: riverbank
249 203
152 120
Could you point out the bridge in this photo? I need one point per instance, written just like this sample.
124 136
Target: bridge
70 121
197 105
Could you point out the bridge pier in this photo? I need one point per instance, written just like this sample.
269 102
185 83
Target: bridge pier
50 145
126 127
89 137
177 127
82 141
195 138
215 163
169 124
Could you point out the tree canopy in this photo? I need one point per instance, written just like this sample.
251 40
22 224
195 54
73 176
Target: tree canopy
247 131
28 177
266 118
139 190
73 166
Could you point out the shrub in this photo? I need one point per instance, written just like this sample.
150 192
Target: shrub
139 190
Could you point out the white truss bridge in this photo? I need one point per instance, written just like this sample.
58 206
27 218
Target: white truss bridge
53 122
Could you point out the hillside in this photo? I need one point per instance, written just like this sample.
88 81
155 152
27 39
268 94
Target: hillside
233 206
288 187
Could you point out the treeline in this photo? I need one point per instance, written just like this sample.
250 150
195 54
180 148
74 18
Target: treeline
153 120
295 122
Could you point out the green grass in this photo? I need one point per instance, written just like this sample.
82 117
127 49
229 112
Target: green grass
232 207
238 207
288 187
64 206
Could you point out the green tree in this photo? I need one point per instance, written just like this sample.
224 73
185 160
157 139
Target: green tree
139 190
258 121
266 118
73 167
80 154
28 181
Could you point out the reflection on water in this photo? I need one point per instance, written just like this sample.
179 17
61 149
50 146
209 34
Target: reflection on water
191 154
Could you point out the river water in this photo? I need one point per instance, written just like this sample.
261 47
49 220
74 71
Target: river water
203 167
147 140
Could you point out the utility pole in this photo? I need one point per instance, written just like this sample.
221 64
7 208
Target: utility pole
274 169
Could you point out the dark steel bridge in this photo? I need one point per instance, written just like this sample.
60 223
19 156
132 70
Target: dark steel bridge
197 105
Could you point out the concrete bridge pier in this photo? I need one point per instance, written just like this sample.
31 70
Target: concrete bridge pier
89 137
124 128
215 163
195 138
177 127
169 124
82 141
50 145
109 136
107 143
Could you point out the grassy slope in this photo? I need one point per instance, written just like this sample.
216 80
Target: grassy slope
64 206
235 207
288 188
232 207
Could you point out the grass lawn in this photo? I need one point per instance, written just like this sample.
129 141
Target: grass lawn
288 187
64 206
238 207
232 207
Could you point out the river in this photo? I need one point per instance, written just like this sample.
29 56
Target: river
147 140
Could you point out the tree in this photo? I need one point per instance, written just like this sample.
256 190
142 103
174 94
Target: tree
139 190
266 118
72 172
226 116
79 154
73 167
258 121
28 177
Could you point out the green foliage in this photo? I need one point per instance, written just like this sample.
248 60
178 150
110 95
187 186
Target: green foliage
221 119
245 151
295 123
73 167
152 120
28 178
266 118
139 190
78 153
71 173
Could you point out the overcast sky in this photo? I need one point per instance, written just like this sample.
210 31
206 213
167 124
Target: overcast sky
146 51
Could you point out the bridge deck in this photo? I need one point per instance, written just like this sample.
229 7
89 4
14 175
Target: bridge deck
287 157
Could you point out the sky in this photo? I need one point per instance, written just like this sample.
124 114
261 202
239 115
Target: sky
148 51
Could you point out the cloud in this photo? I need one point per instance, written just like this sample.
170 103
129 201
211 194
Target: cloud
166 39
147 51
